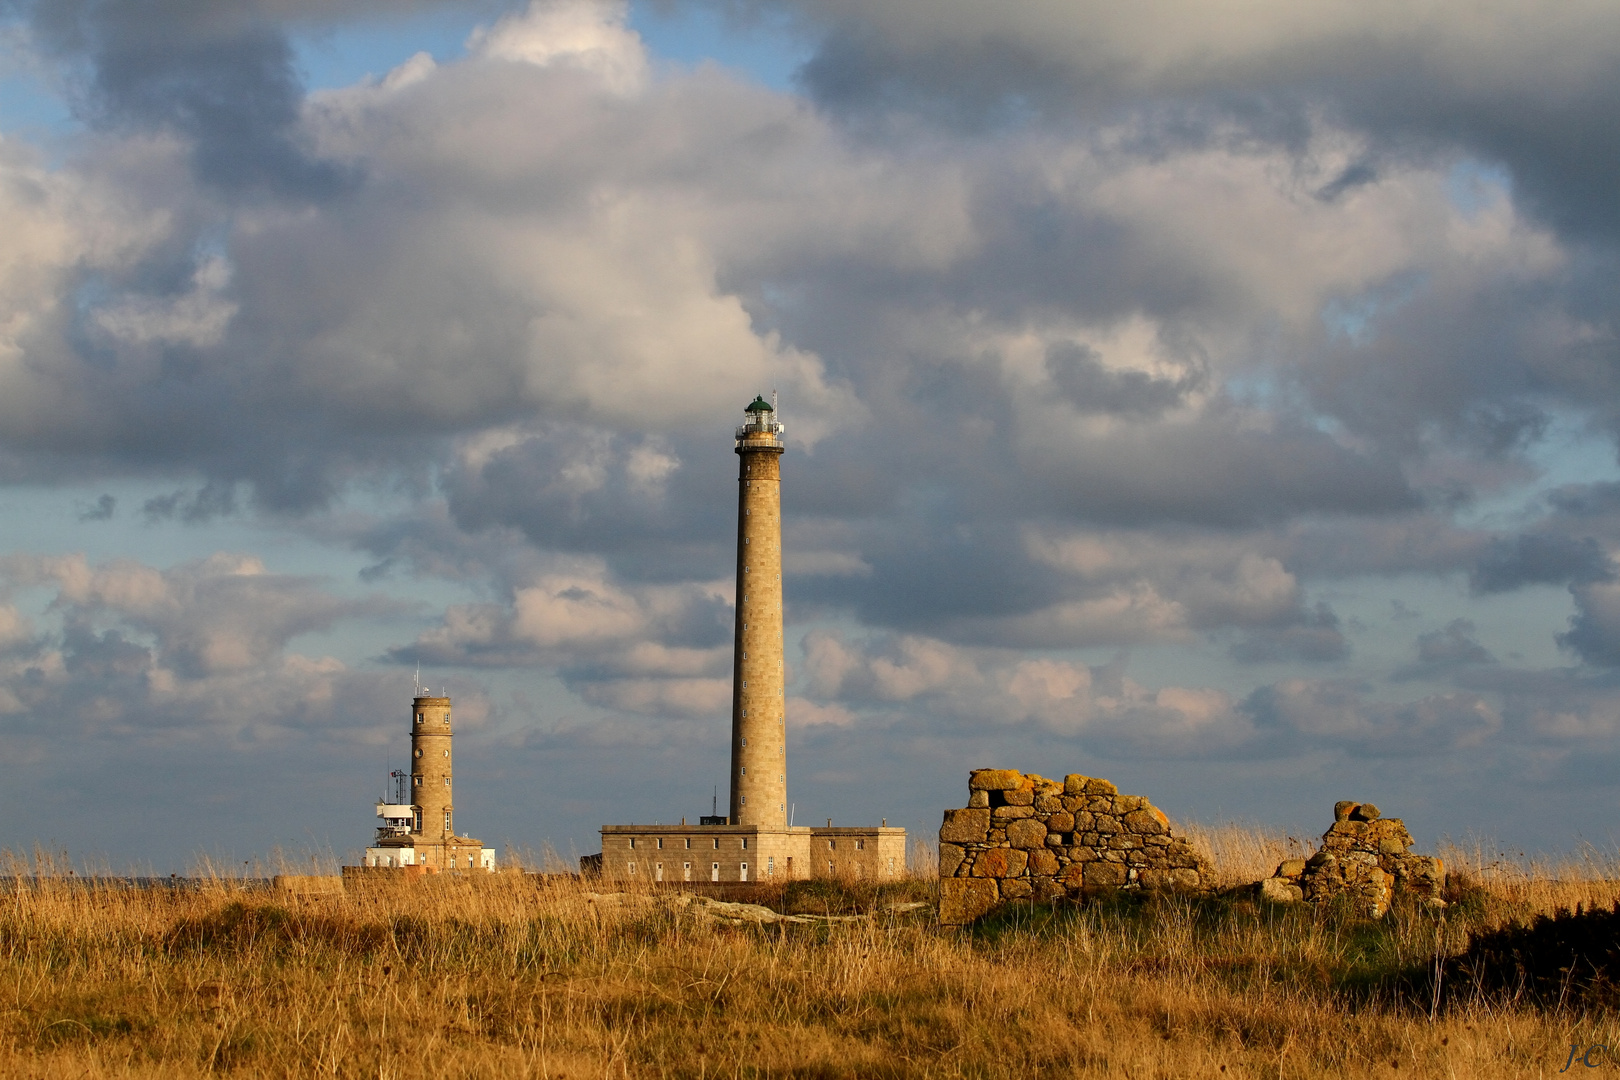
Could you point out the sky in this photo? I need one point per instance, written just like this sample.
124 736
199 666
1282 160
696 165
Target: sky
1217 398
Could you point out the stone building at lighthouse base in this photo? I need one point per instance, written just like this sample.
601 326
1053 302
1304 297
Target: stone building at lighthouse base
752 852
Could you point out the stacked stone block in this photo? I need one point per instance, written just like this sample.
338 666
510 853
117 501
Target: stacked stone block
1024 837
1364 857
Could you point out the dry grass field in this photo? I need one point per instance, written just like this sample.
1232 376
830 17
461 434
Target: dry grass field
520 976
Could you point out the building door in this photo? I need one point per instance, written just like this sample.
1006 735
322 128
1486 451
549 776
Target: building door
686 872
714 872
743 874
658 872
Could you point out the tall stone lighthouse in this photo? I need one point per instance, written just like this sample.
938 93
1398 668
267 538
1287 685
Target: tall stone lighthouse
758 689
757 840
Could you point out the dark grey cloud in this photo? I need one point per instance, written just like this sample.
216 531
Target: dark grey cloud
1447 652
102 509
1594 629
1337 712
1078 373
1314 636
1539 559
1410 84
222 79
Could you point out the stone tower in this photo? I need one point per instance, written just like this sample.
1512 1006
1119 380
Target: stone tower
419 828
758 693
431 800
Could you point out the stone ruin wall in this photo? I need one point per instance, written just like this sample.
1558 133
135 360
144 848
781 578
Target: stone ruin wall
1024 837
1363 856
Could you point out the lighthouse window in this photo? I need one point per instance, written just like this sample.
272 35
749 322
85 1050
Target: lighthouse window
418 781
632 843
717 843
447 821
447 753
420 717
447 781
745 772
745 843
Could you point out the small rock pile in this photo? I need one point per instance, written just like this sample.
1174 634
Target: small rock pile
1024 837
1363 856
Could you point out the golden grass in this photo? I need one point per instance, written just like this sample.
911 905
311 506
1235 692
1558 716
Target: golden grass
519 976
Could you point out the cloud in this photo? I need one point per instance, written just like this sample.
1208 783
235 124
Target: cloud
1313 636
1336 712
130 650
224 613
1594 630
1445 651
589 34
1451 74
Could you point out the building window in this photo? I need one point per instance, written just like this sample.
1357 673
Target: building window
447 753
418 816
717 843
632 843
447 781
447 821
745 843
660 843
418 781
891 866
770 866
689 842
742 800
632 868
420 717
829 868
745 771
860 845
832 844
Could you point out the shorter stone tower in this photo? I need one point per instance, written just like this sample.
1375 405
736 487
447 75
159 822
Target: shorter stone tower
421 831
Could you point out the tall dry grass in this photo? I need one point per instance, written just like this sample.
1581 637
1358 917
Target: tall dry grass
547 977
